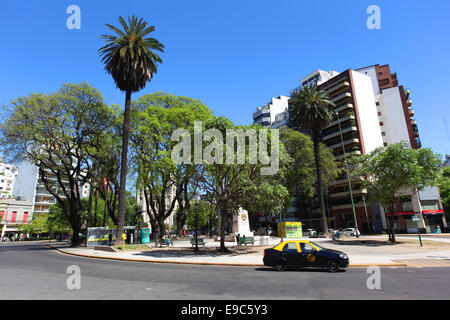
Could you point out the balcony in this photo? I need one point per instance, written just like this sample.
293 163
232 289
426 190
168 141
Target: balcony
337 133
342 96
337 87
341 120
344 107
346 142
411 112
413 123
409 102
347 193
345 181
348 154
347 206
407 93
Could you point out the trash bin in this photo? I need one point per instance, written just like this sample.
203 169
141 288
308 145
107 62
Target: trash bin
145 235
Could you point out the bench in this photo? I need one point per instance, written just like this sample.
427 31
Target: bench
163 242
247 240
200 242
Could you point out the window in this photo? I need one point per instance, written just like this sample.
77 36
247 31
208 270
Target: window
381 124
306 247
13 217
1 215
25 217
385 144
290 247
383 134
429 205
377 103
379 113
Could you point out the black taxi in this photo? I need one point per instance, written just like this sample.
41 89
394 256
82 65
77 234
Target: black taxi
302 253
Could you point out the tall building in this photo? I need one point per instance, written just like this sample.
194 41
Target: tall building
373 111
8 175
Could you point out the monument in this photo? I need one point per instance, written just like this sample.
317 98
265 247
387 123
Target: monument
241 223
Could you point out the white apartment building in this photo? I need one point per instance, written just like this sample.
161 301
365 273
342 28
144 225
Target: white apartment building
397 124
8 175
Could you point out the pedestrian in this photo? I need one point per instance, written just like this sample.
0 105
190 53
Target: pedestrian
238 237
438 229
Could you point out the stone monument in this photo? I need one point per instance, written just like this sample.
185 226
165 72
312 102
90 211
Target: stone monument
241 223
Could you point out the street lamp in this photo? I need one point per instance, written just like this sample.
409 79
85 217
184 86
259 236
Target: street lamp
196 222
348 176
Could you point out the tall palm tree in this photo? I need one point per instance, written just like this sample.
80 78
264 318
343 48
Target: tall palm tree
312 110
131 60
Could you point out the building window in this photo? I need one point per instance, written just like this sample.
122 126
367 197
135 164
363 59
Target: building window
13 217
429 204
383 134
385 144
379 113
25 217
381 124
377 103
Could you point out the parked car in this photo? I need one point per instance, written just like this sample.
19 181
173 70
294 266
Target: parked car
309 232
301 254
351 232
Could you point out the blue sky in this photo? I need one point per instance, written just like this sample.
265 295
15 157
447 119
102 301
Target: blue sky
236 55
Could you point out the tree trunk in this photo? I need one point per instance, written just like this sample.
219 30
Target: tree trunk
95 208
318 163
123 168
391 226
223 221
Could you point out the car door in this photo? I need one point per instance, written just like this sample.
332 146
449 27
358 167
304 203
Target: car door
309 255
292 254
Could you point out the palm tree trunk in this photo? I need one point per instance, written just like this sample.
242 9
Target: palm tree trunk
123 168
318 163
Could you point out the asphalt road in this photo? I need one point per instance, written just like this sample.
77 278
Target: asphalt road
34 271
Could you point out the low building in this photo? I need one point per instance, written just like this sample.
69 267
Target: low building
14 213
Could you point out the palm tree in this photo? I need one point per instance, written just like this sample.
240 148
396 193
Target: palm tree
312 110
131 60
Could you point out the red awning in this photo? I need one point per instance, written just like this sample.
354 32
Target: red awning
433 211
403 213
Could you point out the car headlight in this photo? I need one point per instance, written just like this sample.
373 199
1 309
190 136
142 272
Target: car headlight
343 256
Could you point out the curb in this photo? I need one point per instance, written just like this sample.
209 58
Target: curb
359 265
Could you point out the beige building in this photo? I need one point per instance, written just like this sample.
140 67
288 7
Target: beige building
14 213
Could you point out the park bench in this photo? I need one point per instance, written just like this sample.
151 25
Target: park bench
200 242
246 240
162 242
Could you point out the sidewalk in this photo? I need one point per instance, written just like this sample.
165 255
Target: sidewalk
182 253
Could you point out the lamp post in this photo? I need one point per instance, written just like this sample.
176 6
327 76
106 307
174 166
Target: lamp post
348 176
196 222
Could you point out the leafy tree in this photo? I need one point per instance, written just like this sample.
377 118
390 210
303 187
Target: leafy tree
233 185
313 111
131 60
444 189
396 171
164 183
203 216
37 226
301 176
55 132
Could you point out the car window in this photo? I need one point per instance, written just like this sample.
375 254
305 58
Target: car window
290 247
306 247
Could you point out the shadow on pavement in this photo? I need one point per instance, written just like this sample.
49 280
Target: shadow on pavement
189 252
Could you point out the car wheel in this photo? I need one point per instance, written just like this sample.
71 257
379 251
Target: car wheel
332 266
280 266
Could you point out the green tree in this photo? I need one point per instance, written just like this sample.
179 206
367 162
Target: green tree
301 176
444 189
203 216
396 171
55 132
313 111
234 184
38 225
131 60
155 118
